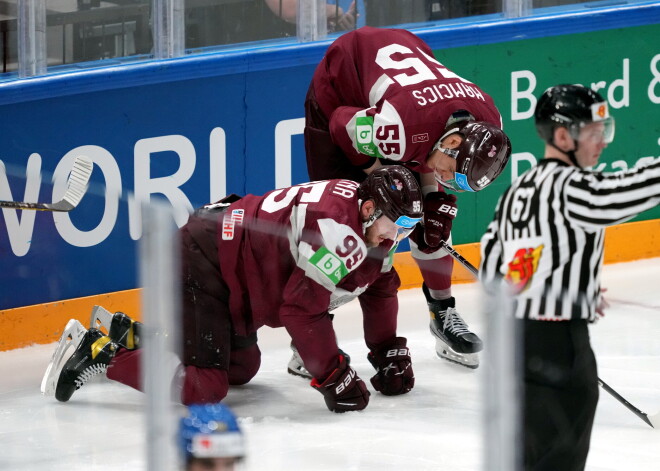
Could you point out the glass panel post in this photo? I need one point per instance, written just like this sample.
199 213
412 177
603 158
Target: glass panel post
501 386
312 22
168 28
31 38
159 272
517 8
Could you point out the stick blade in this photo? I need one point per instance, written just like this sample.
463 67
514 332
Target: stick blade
76 188
76 185
654 421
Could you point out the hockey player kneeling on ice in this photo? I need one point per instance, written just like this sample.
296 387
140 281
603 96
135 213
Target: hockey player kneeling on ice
210 438
279 260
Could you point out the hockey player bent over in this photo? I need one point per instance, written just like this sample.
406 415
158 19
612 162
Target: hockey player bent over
379 97
281 260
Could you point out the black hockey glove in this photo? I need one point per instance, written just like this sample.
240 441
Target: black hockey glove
343 390
439 212
394 373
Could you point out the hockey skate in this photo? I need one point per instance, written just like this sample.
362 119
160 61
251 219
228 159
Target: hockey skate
123 330
296 366
454 341
91 355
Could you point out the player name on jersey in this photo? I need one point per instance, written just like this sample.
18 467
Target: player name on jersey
446 91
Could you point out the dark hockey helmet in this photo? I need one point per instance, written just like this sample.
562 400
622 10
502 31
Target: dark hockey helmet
396 194
210 431
480 158
572 107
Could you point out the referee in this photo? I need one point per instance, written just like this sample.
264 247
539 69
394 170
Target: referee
546 243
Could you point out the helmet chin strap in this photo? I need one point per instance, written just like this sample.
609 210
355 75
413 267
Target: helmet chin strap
438 143
571 156
569 153
369 222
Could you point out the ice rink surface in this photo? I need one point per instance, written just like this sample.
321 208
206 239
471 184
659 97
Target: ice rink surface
437 426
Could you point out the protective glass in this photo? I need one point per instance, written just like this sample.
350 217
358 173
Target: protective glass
598 131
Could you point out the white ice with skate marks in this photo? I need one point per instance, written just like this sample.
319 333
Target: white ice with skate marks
437 426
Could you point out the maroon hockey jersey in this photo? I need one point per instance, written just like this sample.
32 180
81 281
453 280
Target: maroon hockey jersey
290 256
386 96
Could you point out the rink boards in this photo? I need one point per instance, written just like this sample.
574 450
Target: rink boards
43 323
193 129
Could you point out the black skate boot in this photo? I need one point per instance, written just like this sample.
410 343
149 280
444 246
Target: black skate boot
296 366
90 358
454 341
123 330
92 353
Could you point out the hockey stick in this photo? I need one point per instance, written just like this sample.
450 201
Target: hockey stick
653 421
76 187
459 258
633 303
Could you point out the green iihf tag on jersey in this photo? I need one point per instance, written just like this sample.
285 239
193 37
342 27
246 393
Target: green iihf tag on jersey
329 264
390 256
364 131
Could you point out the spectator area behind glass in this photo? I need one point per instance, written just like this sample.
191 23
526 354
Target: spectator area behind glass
80 31
92 30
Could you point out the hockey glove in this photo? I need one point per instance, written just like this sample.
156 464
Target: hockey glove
417 236
439 212
394 373
343 390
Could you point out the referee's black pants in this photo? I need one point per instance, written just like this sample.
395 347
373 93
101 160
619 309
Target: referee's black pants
561 393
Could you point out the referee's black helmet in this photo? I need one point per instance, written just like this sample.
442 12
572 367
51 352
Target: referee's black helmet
572 107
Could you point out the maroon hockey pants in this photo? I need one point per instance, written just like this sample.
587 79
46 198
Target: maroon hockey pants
212 355
199 385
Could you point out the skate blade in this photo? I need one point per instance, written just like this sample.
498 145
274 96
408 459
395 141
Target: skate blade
468 360
71 338
296 369
300 374
100 319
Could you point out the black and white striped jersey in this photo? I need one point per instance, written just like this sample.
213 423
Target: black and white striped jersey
546 239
